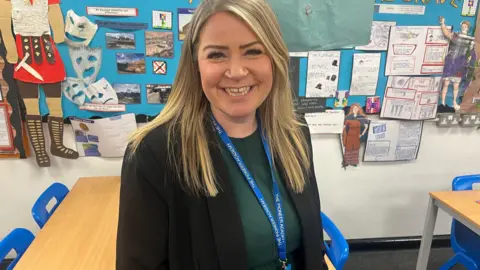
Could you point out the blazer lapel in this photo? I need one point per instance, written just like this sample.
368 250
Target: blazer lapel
225 217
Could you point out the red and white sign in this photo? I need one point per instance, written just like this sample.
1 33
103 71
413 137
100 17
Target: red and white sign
112 11
160 67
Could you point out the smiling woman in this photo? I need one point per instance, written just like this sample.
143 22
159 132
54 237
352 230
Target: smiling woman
197 181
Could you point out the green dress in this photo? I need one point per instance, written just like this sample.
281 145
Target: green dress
259 238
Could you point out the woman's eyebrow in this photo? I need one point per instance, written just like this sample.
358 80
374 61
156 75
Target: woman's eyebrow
222 47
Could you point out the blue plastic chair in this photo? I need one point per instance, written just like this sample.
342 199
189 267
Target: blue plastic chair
18 240
338 249
465 243
39 210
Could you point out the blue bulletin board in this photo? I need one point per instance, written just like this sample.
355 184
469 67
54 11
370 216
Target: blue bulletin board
433 10
109 69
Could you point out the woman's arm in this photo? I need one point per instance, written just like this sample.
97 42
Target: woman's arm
142 238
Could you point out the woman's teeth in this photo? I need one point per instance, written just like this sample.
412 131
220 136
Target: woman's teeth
234 92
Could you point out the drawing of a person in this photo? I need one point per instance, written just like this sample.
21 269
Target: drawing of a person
354 131
459 62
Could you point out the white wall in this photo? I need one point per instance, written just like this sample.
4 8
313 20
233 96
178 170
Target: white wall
372 200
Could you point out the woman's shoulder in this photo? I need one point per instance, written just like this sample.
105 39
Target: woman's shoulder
154 142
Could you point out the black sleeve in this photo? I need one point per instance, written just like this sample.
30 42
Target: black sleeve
142 237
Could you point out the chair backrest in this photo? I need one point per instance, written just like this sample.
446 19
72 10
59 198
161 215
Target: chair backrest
338 250
40 212
463 239
18 240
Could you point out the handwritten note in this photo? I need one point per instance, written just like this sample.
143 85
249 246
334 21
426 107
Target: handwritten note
390 140
330 121
365 74
322 73
378 37
5 135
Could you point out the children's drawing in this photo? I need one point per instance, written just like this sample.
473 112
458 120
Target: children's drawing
341 98
460 62
354 132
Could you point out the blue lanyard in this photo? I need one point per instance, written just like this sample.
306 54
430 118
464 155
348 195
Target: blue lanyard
278 228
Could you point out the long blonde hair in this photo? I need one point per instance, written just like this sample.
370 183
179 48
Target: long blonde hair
187 110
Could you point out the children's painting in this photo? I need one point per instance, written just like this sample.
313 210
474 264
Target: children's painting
373 105
341 98
355 131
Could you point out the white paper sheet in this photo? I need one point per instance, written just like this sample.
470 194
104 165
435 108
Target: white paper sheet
416 50
5 136
378 37
330 121
366 67
393 140
469 8
105 137
411 98
322 73
400 9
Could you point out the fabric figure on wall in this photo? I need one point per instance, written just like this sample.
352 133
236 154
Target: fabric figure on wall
41 65
459 61
354 132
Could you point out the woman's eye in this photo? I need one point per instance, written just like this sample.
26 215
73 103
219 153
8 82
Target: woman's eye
254 52
215 55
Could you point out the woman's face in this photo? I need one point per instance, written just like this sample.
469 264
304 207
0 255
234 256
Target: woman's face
355 109
235 70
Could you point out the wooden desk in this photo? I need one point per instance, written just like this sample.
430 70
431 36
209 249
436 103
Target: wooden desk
82 232
461 205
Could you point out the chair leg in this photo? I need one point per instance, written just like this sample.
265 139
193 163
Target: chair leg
451 263
467 262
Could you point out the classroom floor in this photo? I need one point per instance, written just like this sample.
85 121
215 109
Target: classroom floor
397 260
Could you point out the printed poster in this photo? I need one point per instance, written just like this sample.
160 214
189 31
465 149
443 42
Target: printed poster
185 15
366 67
105 137
390 140
322 73
411 98
330 121
378 37
416 50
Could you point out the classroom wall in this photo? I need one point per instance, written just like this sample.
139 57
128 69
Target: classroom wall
370 201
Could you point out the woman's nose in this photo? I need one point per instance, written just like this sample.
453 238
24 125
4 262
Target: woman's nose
236 70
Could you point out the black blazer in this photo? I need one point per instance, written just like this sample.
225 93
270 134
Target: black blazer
162 227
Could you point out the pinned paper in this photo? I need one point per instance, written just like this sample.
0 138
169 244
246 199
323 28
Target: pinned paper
330 121
416 50
469 8
162 20
185 15
159 67
79 27
354 132
158 93
131 63
159 44
393 140
341 98
400 9
373 105
365 71
107 137
101 92
122 26
127 93
309 105
378 37
120 41
112 11
411 98
322 73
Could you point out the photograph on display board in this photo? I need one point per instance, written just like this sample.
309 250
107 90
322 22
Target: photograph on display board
127 93
120 40
185 15
355 131
373 105
131 63
158 93
159 44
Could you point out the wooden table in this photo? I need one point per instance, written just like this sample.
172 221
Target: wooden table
461 205
82 232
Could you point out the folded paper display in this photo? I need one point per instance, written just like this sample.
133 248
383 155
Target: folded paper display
74 90
102 92
79 27
86 60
